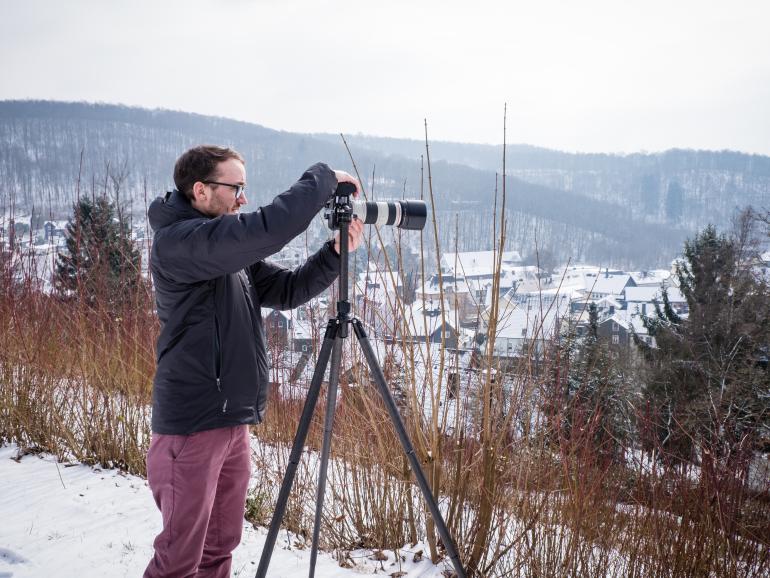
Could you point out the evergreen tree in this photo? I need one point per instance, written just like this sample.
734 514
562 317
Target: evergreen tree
707 387
593 405
100 263
598 397
593 322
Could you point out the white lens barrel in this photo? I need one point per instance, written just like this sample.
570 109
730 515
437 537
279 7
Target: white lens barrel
379 213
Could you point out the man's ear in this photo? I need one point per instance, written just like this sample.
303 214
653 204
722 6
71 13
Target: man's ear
199 192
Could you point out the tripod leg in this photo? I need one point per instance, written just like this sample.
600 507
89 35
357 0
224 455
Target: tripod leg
299 443
331 402
395 417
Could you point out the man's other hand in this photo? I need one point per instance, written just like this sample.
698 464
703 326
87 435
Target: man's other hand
355 233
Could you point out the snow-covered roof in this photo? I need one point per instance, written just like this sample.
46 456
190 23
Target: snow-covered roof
608 284
379 286
387 278
629 322
286 314
18 220
477 263
652 295
563 291
581 276
608 301
478 284
428 288
652 277
536 320
425 321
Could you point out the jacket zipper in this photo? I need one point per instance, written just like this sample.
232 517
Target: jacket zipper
246 291
218 360
217 354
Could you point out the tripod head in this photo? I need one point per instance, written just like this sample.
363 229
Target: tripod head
339 207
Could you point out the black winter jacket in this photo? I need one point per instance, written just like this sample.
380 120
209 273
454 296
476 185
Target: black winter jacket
210 281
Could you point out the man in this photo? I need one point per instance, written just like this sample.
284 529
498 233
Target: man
207 264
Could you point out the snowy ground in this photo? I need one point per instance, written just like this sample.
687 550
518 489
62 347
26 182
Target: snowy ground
79 521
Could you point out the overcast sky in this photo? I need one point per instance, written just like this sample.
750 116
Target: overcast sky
589 75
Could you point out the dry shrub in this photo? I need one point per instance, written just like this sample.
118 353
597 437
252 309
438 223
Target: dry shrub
76 378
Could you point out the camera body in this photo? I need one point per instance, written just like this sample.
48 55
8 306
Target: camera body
338 208
342 207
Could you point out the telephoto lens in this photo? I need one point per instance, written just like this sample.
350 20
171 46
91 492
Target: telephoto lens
409 215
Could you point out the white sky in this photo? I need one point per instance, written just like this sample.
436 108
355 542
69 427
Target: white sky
590 75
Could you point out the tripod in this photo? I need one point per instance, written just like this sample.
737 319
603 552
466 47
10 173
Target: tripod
336 332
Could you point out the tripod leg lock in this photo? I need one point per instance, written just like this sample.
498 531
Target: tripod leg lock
358 327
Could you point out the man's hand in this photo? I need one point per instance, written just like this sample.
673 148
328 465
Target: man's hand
355 232
343 177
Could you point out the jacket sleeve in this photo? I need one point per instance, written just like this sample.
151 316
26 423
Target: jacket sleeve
282 288
201 249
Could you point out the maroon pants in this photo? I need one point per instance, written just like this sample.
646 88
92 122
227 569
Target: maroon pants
199 483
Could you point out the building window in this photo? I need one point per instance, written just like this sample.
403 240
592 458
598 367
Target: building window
616 339
524 332
615 327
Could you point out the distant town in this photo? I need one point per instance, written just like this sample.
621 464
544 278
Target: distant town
453 306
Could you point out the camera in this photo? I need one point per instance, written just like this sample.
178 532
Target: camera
342 207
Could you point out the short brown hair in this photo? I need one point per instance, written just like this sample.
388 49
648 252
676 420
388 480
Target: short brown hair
200 164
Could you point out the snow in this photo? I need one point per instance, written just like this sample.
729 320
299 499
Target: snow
76 520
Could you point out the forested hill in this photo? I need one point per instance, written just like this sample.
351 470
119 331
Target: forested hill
624 211
678 187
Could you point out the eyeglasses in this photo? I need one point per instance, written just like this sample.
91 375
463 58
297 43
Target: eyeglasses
239 189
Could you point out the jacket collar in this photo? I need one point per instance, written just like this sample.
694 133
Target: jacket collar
173 207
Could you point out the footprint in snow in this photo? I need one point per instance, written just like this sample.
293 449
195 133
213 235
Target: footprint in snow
10 557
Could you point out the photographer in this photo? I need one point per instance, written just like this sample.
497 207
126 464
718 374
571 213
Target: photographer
210 276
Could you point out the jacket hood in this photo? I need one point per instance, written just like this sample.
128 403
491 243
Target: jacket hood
169 209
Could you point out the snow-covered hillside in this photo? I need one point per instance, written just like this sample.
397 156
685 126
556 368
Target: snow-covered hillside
83 522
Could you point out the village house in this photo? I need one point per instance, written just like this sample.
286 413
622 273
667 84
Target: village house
425 323
642 300
619 328
292 329
54 231
524 326
456 291
278 326
375 298
605 307
478 269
